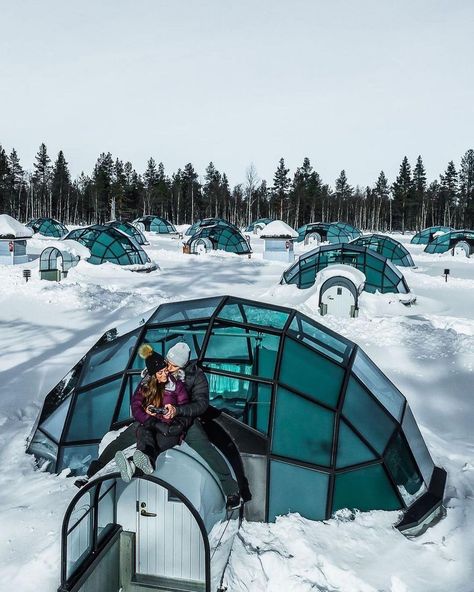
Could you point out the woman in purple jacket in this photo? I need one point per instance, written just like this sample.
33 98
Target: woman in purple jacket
155 434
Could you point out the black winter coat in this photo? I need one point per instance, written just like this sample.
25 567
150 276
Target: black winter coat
197 386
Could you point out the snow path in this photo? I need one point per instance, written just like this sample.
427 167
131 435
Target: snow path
426 349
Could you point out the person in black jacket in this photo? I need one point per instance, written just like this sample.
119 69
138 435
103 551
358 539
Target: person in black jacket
197 387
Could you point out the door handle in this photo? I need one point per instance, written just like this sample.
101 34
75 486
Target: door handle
147 514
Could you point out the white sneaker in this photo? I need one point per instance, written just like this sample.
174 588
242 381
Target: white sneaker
142 461
126 467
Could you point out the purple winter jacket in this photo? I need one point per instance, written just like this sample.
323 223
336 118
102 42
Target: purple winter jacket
175 393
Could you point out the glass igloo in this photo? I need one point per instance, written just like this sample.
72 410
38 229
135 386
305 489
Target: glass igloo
208 222
48 227
387 247
428 234
107 243
215 236
381 274
308 421
258 224
463 239
155 224
129 229
340 232
318 229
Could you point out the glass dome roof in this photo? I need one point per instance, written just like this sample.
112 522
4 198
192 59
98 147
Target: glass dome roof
129 229
340 232
156 224
426 235
387 247
107 243
209 222
444 242
381 274
48 227
251 226
320 228
219 236
330 429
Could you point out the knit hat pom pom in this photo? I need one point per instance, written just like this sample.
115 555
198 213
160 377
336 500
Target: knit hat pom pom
145 351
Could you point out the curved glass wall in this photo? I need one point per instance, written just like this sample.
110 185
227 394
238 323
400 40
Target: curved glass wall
325 418
340 232
427 234
48 227
129 229
156 224
381 274
320 228
107 243
209 222
220 237
387 247
443 243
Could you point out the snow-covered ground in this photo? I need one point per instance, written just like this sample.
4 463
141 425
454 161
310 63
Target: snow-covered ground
426 349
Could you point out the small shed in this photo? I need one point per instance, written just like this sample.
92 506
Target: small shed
340 287
278 241
13 237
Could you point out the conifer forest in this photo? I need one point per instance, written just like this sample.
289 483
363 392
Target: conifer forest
116 190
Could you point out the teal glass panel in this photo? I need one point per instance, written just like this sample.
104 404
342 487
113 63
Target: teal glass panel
265 317
180 311
365 489
164 338
44 450
302 430
366 416
108 359
417 445
79 543
378 384
244 368
55 422
231 312
319 339
132 382
105 510
351 450
231 345
403 470
297 489
247 400
77 458
92 412
310 373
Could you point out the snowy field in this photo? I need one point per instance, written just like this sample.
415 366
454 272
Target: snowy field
427 350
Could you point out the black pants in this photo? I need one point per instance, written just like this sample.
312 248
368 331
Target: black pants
151 441
196 437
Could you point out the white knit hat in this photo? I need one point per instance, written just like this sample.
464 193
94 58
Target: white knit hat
179 354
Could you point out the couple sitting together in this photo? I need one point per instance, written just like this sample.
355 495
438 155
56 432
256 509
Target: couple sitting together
166 407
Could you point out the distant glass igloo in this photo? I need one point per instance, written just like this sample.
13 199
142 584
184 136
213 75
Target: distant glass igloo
462 240
107 243
209 222
387 247
129 229
428 234
308 422
48 227
381 274
155 224
258 224
216 236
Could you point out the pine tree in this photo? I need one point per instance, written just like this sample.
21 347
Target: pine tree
448 194
190 192
402 193
281 185
343 194
5 181
211 190
103 178
60 188
419 204
42 183
382 196
150 179
19 198
466 189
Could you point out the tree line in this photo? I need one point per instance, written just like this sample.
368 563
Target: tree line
115 190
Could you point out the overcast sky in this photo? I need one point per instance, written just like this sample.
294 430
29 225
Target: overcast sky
353 84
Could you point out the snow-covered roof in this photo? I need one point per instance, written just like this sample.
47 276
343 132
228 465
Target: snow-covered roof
347 271
278 229
70 246
11 228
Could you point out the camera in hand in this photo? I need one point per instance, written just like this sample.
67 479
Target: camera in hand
157 410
